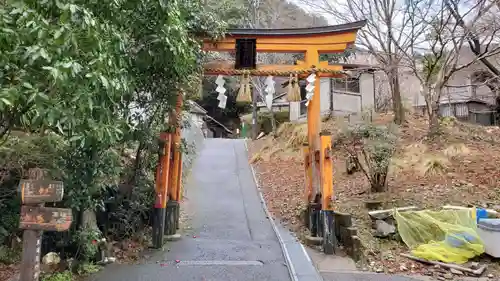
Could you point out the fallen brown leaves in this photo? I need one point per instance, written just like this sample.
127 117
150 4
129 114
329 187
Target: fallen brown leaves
470 176
128 251
8 271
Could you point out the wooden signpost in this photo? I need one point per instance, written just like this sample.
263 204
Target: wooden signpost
41 191
35 218
47 219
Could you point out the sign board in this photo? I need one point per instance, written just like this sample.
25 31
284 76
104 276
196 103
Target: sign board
48 219
35 191
41 191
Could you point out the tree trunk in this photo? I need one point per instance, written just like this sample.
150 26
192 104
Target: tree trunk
379 182
495 88
434 126
497 110
89 220
137 163
397 101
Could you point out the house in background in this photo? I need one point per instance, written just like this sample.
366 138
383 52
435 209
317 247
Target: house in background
343 96
465 97
198 115
217 129
210 127
470 110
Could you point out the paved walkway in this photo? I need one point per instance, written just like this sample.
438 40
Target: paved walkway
234 239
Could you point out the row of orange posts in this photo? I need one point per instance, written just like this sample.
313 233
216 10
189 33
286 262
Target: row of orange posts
168 178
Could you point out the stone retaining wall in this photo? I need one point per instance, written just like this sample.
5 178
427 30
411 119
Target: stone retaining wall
347 235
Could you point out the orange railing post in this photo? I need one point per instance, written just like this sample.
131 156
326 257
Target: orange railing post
165 167
173 208
161 188
177 155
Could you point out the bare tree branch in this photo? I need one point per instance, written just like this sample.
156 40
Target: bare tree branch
391 31
447 35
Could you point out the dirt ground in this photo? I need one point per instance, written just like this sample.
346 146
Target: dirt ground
458 168
7 271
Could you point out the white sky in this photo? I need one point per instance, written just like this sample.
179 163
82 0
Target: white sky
310 10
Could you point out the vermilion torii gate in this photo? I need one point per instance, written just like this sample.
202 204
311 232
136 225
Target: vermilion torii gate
312 42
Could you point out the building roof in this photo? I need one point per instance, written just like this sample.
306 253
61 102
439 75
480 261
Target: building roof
212 120
196 108
355 66
460 101
297 31
470 100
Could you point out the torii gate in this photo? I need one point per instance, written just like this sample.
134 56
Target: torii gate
312 42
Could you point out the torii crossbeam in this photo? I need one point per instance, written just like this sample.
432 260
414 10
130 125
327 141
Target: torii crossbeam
312 42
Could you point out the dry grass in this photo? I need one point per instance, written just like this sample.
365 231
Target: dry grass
298 137
279 148
434 165
256 157
285 129
409 157
417 157
456 150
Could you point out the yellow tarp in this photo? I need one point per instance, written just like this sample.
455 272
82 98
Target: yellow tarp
448 235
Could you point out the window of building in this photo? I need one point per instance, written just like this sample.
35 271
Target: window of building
350 84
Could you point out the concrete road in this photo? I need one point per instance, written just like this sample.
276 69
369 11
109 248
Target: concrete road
234 240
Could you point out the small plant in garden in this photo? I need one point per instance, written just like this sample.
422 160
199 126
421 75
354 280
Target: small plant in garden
88 268
59 276
371 148
87 241
8 256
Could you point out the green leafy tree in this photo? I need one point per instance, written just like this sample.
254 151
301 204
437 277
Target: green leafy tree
52 75
102 76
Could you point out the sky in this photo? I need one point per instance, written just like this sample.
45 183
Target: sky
308 9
